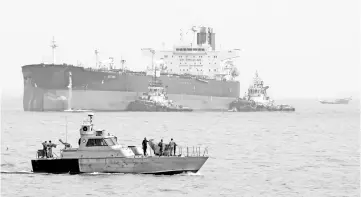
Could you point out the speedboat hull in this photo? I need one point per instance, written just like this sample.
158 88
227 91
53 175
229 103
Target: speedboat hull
138 165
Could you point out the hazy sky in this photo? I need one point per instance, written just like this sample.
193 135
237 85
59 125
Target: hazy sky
301 48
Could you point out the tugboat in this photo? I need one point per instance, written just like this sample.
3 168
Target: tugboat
156 100
337 101
101 152
257 100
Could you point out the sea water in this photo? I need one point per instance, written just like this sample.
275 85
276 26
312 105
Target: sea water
311 152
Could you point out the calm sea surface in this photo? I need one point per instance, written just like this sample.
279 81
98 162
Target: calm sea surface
311 152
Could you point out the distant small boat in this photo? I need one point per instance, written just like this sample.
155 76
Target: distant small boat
336 101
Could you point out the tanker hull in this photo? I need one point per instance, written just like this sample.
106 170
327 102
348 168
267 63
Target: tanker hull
38 99
140 105
46 89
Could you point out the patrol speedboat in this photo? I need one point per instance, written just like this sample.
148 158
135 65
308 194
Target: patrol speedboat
101 152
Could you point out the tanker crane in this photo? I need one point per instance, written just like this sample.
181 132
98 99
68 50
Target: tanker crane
53 46
96 58
109 61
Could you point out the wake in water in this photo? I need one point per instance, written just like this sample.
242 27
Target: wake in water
97 173
191 174
17 172
173 190
113 174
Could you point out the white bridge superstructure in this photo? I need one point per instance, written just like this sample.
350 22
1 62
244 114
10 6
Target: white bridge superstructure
198 57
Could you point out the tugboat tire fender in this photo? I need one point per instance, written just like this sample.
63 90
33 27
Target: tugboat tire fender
253 104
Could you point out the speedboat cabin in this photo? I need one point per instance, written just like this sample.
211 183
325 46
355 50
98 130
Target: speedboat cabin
96 143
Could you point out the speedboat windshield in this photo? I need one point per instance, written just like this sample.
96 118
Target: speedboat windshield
111 141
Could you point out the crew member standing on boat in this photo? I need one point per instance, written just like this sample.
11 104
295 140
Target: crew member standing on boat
160 147
144 145
50 149
172 145
45 149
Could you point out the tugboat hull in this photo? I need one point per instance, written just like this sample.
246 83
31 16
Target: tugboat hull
138 165
249 106
151 107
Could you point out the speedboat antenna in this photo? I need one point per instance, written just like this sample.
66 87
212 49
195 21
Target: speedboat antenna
66 129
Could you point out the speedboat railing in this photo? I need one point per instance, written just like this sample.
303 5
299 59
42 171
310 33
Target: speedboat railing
41 154
193 151
187 151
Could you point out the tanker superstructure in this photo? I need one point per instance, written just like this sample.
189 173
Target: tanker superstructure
195 75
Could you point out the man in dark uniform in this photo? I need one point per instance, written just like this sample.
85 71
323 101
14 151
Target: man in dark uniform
45 149
144 145
160 144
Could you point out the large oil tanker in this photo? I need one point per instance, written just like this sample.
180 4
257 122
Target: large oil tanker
195 75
